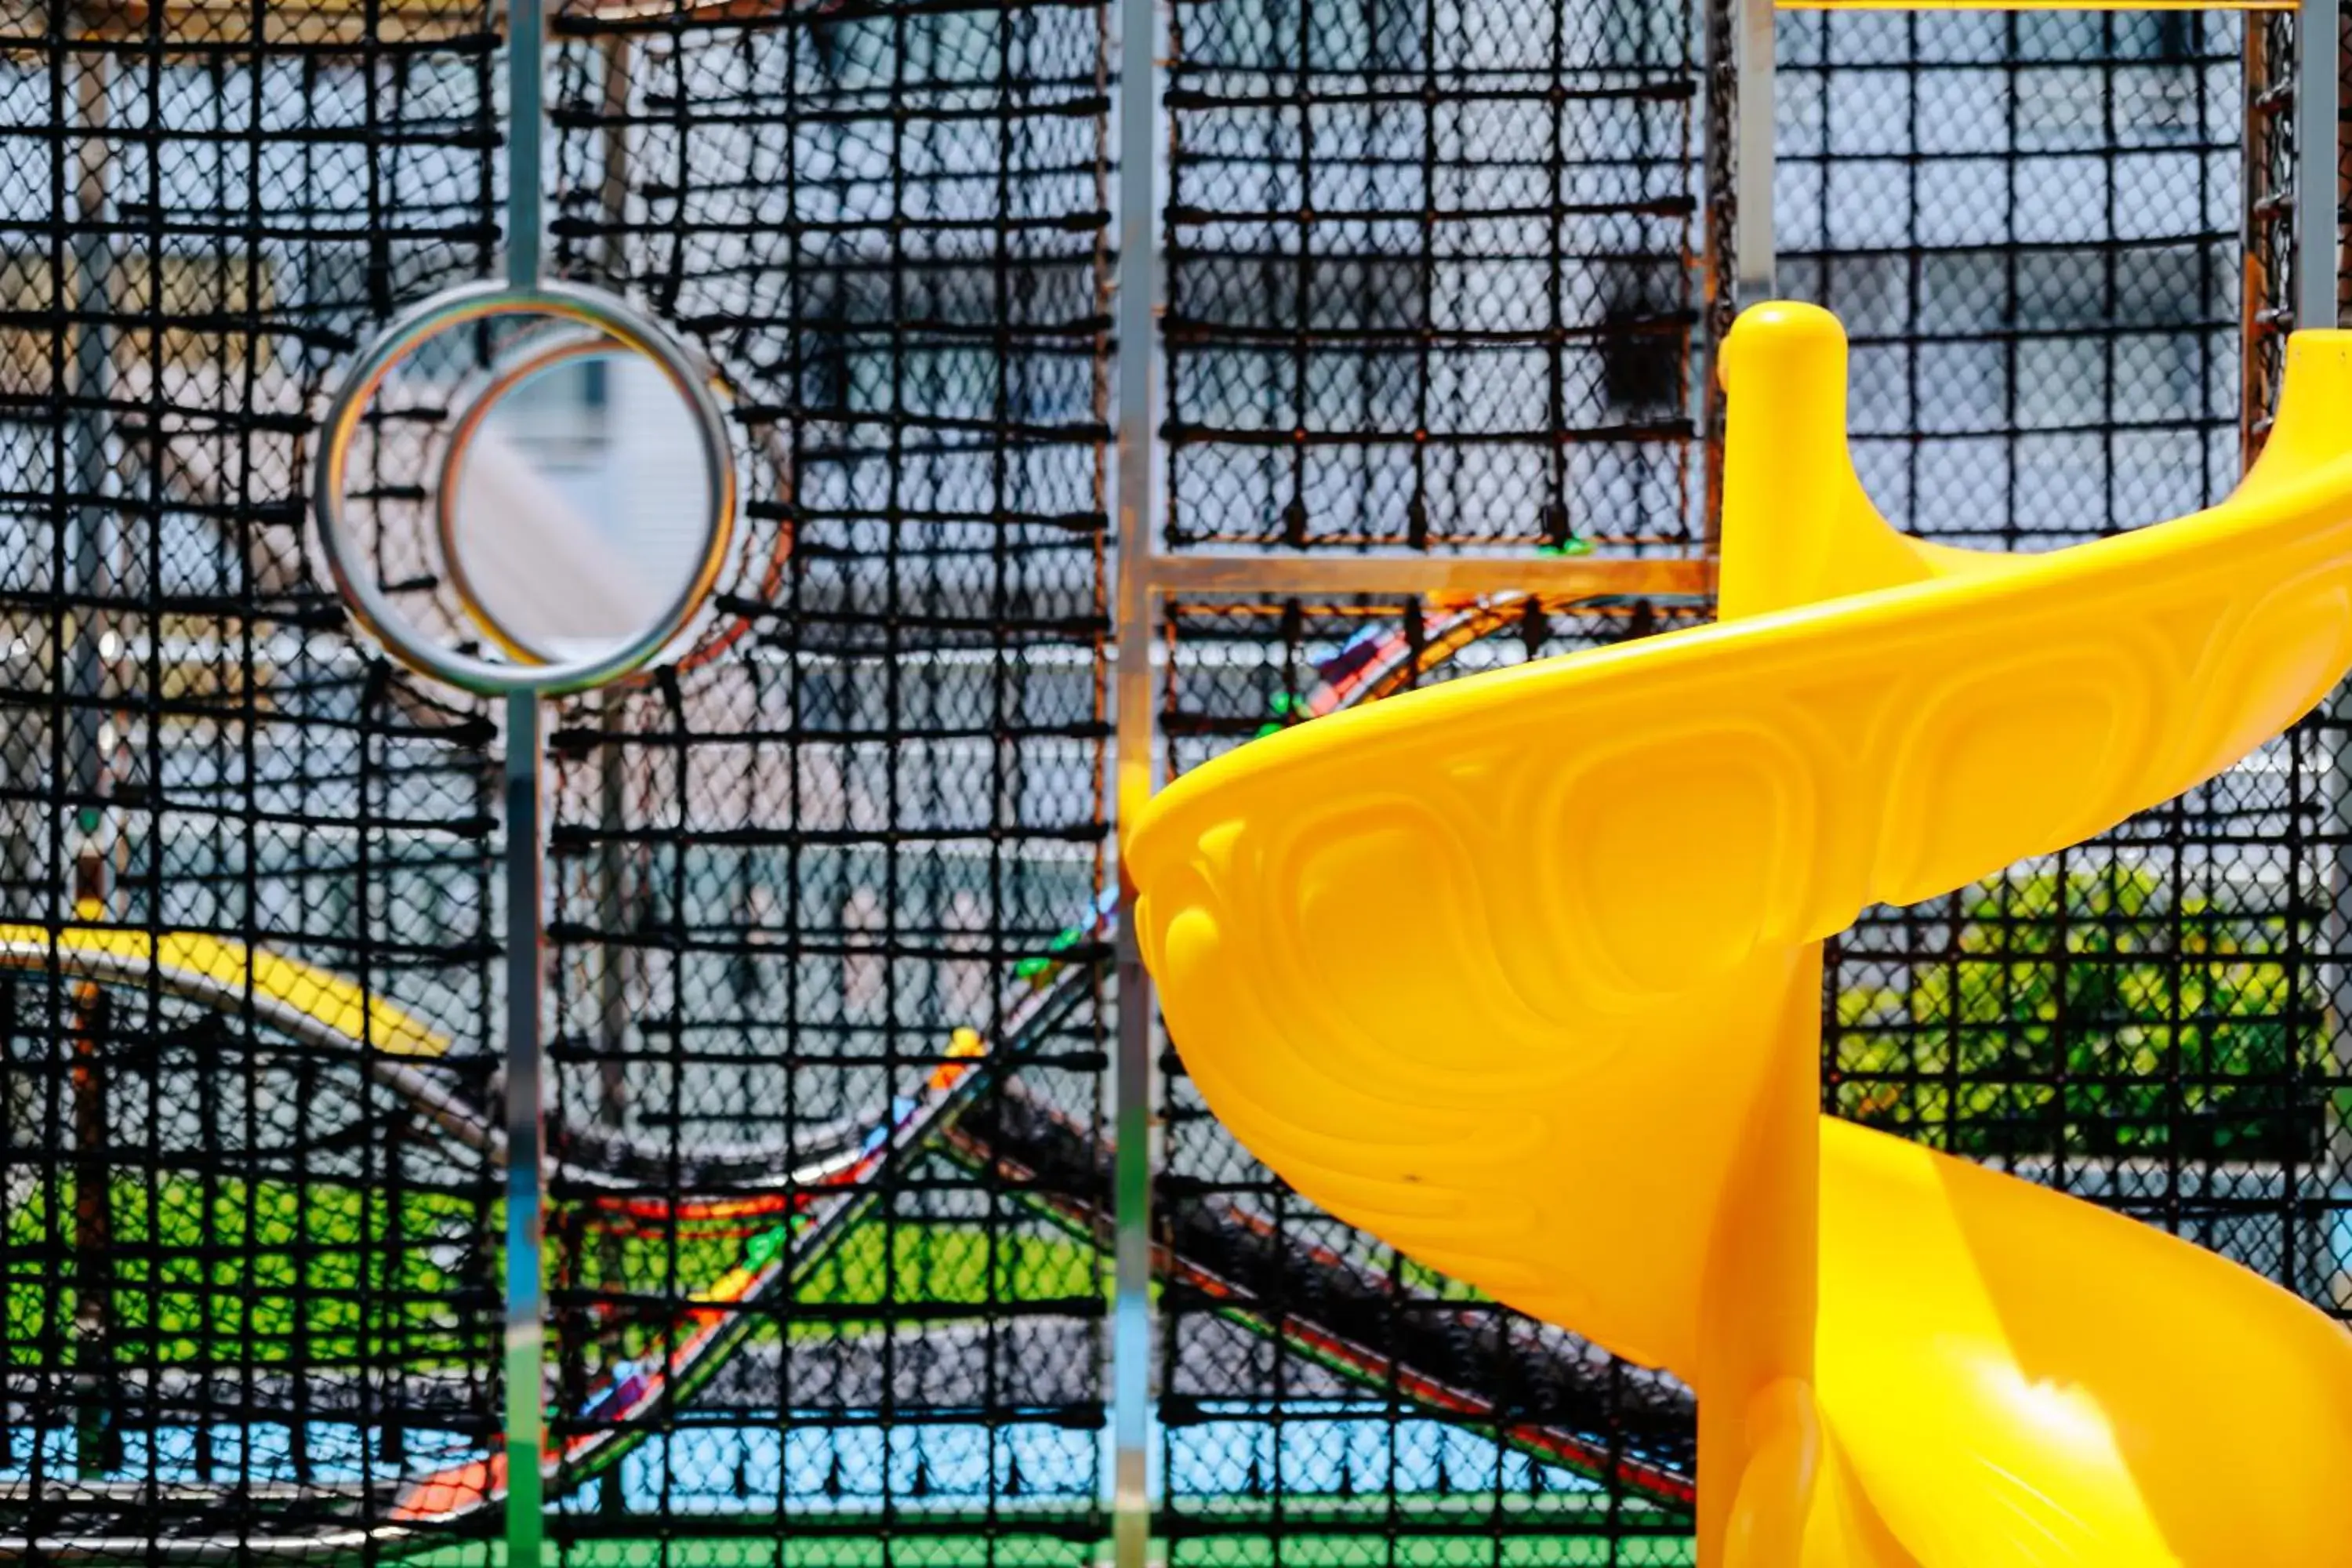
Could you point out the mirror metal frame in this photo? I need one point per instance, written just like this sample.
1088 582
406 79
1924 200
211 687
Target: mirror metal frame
617 328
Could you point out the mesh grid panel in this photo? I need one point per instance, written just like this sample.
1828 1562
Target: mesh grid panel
1429 273
243 1283
787 877
2031 225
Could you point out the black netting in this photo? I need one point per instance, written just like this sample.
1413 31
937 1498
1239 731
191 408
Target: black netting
833 1192
802 882
1430 273
246 1294
798 880
2031 223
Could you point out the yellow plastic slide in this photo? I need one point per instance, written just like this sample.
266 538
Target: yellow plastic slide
1584 1076
308 1001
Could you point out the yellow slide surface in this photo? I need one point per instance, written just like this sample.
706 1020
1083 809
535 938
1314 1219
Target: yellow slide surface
1584 1076
284 991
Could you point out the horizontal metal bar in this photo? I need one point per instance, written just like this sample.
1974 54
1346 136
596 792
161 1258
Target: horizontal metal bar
1238 571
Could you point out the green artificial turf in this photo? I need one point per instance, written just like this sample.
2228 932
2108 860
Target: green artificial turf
271 1273
254 1272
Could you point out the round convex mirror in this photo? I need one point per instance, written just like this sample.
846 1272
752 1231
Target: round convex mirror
572 502
526 491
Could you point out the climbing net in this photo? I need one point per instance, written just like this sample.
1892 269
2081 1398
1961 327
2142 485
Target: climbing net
2033 222
830 1187
813 887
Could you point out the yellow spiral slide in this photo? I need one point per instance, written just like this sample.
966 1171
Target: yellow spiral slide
1585 1078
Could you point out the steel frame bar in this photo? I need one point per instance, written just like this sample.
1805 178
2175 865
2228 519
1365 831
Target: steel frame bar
1140 25
1224 572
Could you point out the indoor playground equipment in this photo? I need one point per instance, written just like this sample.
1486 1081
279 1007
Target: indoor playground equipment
1592 1083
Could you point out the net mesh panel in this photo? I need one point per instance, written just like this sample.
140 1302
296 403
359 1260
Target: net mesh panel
1433 273
2031 225
246 1292
1431 283
1429 273
1301 1360
785 875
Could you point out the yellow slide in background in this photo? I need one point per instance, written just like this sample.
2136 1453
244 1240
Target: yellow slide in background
1586 1077
307 1000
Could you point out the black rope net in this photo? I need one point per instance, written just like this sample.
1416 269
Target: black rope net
1434 278
832 1193
1430 274
245 1284
807 880
820 889
2032 225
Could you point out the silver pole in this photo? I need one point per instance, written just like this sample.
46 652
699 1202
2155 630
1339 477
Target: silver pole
618 967
1138 298
526 122
1753 245
526 1327
2316 172
2317 232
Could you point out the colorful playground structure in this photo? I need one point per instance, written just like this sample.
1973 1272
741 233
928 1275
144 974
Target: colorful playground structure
1900 1358
592 598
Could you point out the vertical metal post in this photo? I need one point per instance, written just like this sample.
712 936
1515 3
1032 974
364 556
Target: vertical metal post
2316 73
1138 296
526 124
92 565
1752 169
526 1325
89 376
2317 234
616 968
526 1329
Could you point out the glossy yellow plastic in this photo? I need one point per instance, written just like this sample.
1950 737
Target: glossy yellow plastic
1523 974
2036 5
214 967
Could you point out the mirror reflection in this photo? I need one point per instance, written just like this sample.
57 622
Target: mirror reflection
573 499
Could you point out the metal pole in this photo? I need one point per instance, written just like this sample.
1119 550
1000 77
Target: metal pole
1138 298
526 122
616 966
526 1325
1752 171
2316 232
526 1329
93 564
